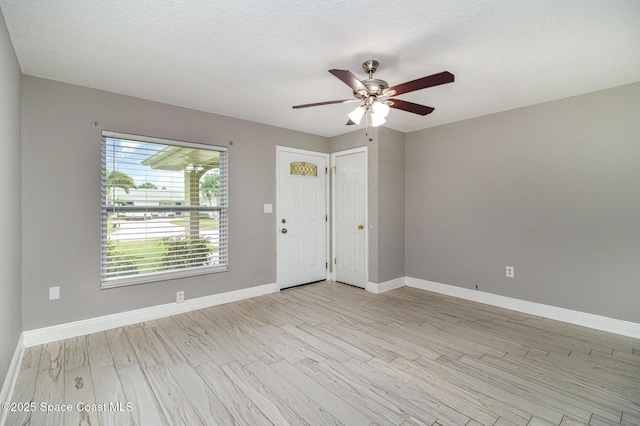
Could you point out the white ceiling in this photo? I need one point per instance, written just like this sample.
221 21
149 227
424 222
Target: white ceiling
254 59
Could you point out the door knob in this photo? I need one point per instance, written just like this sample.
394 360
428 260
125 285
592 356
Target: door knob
360 226
284 230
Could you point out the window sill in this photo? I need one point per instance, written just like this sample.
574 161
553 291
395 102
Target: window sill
160 276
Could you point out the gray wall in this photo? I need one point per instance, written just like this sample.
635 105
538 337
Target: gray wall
552 189
391 202
10 260
386 198
61 198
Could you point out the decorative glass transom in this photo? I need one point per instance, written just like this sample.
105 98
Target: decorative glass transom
301 168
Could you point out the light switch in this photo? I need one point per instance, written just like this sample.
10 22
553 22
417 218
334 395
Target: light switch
268 208
54 293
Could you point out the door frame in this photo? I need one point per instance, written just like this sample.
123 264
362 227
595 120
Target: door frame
363 149
280 149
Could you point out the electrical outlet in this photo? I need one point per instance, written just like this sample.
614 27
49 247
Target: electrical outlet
54 293
179 296
510 272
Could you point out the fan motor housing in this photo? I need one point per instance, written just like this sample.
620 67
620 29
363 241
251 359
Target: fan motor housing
374 86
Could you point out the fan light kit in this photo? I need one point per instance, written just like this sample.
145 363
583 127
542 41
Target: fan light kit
377 97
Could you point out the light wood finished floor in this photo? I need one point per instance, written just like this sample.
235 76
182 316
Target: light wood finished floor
329 354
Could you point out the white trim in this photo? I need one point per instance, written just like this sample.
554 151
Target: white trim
152 277
280 149
378 288
12 376
151 139
612 325
365 150
350 151
93 325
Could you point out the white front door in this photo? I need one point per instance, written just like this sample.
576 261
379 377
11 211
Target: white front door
301 217
350 217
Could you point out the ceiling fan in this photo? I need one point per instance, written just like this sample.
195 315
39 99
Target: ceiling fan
377 97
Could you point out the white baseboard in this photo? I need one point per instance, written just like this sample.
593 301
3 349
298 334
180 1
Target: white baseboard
378 288
12 376
93 325
625 328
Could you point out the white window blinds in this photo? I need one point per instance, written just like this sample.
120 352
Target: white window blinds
164 209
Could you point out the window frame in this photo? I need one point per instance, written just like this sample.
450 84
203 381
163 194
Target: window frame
106 210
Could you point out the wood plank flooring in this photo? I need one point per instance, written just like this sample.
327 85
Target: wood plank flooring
331 354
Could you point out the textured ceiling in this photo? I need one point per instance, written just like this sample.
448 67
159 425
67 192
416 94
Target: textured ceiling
254 59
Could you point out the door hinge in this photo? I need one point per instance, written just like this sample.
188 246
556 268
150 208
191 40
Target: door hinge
335 261
326 265
326 218
326 170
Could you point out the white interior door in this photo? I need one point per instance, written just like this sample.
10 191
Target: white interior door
350 218
301 217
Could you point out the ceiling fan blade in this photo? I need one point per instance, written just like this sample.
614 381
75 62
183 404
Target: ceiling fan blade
342 101
423 83
411 107
350 80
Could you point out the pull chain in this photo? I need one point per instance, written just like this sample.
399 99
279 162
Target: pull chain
368 126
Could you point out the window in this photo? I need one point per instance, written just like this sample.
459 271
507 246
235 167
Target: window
164 209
